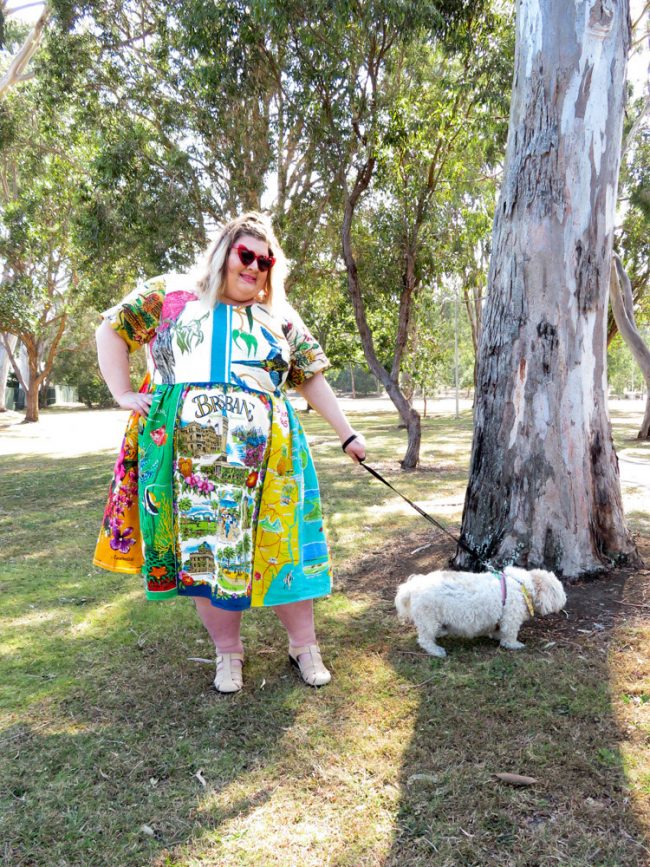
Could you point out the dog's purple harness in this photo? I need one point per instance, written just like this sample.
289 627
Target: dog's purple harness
501 575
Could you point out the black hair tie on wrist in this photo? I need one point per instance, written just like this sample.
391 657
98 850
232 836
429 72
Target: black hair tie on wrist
348 441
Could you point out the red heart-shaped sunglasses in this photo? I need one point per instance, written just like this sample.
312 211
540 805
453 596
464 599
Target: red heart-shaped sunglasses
247 257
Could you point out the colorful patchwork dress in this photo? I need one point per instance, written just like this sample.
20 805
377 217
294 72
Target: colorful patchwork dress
215 494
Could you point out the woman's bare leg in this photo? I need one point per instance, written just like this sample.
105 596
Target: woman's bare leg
298 619
223 626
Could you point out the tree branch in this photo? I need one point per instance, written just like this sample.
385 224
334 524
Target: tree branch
641 16
25 53
14 363
620 293
636 126
622 302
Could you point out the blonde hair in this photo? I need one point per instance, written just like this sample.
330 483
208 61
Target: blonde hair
211 285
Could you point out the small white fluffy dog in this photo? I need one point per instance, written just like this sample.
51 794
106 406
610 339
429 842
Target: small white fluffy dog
471 604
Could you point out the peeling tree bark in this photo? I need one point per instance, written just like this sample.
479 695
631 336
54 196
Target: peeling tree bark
623 309
544 487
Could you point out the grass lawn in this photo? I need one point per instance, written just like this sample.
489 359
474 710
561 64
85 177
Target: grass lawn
116 749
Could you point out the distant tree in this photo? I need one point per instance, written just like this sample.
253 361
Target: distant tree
40 277
352 81
623 309
76 365
632 236
6 341
78 218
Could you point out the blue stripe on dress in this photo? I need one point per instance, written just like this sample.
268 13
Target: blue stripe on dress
314 551
220 357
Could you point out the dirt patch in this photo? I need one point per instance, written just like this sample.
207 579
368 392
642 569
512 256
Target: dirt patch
593 607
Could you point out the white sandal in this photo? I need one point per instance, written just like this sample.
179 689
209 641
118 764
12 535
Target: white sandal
312 670
228 677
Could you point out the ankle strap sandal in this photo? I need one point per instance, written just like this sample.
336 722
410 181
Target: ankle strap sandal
310 666
228 677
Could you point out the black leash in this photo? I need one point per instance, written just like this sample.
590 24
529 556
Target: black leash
416 507
428 517
424 514
499 573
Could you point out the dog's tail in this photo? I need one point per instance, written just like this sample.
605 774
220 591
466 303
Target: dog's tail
403 602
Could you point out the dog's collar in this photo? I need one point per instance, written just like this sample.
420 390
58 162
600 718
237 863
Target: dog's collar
501 575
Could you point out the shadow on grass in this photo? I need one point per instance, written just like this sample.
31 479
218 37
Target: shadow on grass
548 713
129 752
127 741
116 749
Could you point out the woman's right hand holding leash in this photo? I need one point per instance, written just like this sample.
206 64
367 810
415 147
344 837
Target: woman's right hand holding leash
355 447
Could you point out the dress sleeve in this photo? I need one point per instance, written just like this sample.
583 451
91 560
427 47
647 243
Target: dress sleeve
307 356
137 316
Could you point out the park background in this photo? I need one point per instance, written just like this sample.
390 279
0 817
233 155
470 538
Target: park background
127 135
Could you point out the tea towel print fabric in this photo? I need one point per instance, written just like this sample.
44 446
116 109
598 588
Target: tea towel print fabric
218 484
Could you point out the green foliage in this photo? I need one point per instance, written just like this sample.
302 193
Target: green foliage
187 122
632 237
76 363
38 192
623 373
364 382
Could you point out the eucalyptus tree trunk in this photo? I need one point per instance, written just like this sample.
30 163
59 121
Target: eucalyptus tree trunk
544 487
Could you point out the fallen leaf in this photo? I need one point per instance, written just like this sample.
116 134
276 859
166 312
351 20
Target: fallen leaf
199 776
593 804
421 778
148 830
516 779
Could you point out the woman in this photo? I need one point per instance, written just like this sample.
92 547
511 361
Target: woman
217 470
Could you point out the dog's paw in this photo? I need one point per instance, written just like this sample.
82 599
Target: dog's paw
433 649
512 645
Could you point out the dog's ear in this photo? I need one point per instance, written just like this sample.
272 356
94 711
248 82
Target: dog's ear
548 593
538 576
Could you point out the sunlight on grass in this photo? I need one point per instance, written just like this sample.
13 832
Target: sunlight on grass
108 726
105 616
37 618
343 760
630 686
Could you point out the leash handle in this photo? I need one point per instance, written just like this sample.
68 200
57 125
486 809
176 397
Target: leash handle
347 443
